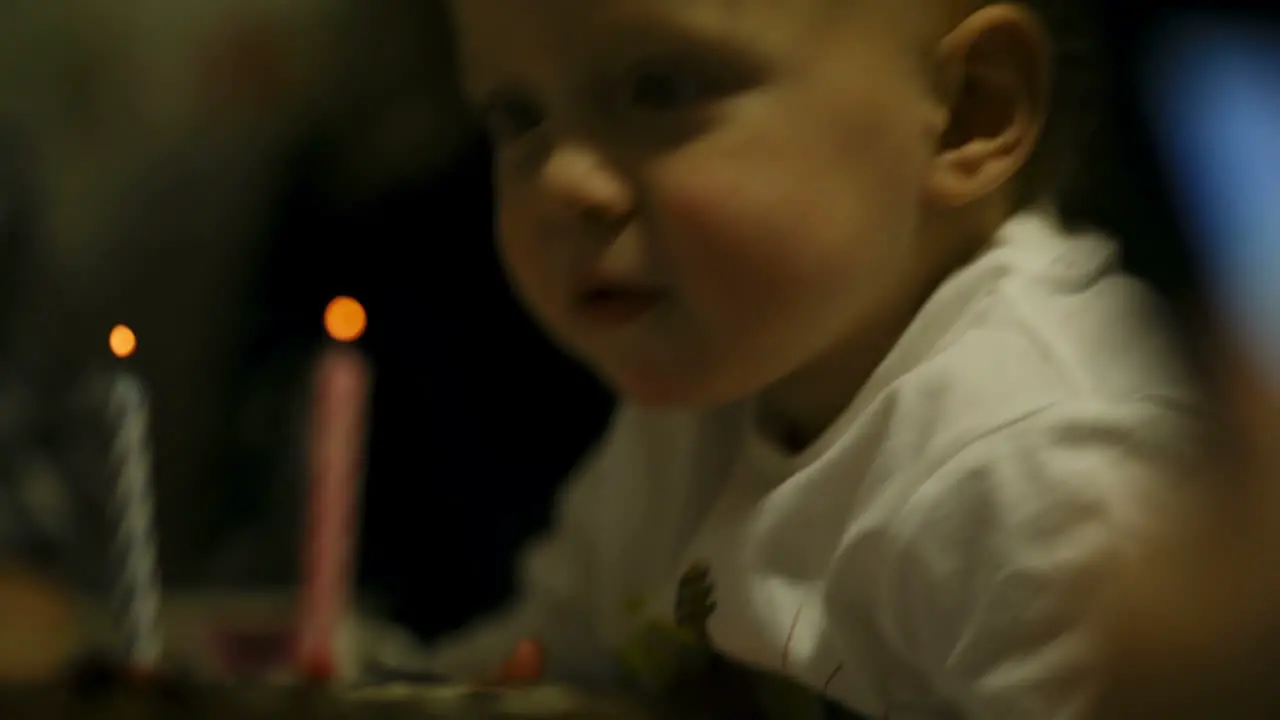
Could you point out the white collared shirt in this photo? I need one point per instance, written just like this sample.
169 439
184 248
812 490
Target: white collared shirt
917 560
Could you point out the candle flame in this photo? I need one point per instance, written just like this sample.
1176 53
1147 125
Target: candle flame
122 341
345 319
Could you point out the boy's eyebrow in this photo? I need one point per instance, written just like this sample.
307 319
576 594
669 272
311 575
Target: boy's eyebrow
476 88
729 27
716 24
634 31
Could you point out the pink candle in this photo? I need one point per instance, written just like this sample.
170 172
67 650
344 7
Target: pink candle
336 462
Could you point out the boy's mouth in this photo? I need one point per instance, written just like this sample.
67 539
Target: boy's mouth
616 306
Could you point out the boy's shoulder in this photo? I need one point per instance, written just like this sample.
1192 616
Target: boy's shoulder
1000 470
1045 320
1045 324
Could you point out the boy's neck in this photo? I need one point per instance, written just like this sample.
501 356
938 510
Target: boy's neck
796 410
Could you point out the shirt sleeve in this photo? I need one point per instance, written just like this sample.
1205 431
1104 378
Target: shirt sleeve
555 578
988 573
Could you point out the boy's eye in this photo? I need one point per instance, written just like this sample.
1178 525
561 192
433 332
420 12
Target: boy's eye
511 118
665 89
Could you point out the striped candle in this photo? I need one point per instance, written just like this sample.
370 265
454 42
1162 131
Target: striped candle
137 583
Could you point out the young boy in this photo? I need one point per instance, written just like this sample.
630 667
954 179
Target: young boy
888 411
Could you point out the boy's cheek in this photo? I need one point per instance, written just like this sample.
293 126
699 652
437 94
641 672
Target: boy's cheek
739 225
756 240
518 248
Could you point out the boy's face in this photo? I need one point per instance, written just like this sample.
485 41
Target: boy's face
702 197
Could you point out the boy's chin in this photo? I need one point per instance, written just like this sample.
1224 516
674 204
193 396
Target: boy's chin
666 391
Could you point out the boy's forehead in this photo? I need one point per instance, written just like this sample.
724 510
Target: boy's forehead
481 21
489 28
604 12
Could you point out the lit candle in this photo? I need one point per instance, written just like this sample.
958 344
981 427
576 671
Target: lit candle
132 507
336 460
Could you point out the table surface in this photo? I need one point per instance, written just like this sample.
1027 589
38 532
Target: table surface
437 702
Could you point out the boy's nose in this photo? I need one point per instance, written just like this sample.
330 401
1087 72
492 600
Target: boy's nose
579 181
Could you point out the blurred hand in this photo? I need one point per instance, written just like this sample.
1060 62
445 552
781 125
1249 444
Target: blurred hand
38 628
1193 629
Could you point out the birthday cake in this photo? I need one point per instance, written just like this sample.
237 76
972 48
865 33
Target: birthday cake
135 619
124 700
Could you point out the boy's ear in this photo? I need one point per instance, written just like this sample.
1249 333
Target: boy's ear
994 70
